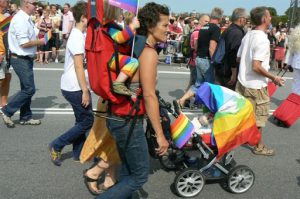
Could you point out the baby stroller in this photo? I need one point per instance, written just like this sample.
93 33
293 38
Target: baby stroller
201 163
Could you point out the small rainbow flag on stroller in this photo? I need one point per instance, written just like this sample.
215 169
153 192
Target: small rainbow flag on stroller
181 130
234 121
4 25
129 5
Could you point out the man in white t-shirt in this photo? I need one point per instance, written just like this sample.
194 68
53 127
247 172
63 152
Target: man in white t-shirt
74 88
254 55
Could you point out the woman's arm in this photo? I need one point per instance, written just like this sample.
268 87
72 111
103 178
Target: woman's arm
148 74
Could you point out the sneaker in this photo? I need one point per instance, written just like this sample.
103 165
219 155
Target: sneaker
55 155
56 60
7 121
30 122
121 89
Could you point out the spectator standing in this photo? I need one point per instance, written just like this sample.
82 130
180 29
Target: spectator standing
45 25
68 23
120 21
13 9
54 41
74 88
226 74
22 44
280 48
254 54
5 75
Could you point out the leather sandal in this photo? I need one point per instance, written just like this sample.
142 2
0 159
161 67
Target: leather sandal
102 188
88 181
263 151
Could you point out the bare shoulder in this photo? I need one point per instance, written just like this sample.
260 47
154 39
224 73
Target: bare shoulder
148 56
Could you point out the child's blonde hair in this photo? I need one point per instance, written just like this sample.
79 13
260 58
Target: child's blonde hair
110 12
128 17
294 40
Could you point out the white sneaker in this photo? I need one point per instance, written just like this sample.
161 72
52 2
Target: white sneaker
31 122
7 121
56 60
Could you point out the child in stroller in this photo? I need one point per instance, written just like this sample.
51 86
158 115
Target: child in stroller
200 163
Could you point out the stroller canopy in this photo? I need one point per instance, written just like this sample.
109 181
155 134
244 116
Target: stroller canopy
234 121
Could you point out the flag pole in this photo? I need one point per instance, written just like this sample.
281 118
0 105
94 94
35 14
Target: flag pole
137 12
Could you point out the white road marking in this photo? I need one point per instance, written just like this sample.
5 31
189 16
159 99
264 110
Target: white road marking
69 111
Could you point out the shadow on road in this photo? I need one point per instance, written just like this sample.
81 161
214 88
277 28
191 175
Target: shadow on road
276 101
178 93
67 155
298 177
44 102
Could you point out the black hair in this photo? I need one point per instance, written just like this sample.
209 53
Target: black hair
149 16
79 10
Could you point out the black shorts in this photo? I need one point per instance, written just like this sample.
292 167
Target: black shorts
54 41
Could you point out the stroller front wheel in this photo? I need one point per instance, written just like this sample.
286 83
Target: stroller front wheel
240 179
189 182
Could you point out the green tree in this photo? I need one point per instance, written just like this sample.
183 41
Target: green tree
272 11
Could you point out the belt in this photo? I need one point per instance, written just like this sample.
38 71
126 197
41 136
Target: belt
139 118
22 56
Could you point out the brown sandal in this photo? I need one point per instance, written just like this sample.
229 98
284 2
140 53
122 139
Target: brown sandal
102 188
263 151
88 181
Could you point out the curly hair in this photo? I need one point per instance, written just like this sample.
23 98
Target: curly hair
149 16
294 40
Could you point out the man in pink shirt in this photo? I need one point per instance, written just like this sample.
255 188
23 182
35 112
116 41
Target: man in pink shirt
68 22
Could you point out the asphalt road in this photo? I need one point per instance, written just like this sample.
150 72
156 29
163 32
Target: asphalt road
26 171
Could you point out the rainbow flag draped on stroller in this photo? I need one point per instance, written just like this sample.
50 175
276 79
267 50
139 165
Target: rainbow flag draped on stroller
234 121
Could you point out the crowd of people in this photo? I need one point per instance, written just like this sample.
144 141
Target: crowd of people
248 53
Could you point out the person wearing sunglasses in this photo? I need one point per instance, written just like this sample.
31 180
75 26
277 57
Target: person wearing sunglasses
22 44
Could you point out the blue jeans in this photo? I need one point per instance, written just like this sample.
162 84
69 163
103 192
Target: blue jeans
205 72
135 173
84 119
22 100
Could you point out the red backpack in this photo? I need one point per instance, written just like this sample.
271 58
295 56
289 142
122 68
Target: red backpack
100 47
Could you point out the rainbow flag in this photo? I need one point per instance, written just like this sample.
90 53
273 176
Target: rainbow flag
234 121
47 37
4 25
129 5
181 130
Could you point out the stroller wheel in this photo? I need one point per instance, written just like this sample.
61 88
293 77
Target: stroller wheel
240 179
189 182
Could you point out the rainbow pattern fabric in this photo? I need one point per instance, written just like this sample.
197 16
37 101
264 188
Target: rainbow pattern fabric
129 5
234 121
181 130
121 36
47 37
4 25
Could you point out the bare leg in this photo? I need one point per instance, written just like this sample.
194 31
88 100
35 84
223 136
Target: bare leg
110 177
4 88
122 77
185 97
95 173
261 149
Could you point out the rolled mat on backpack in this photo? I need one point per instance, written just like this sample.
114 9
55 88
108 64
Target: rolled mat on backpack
100 142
